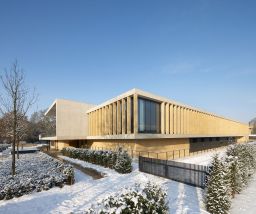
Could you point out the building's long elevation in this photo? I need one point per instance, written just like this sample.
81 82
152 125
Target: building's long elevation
141 121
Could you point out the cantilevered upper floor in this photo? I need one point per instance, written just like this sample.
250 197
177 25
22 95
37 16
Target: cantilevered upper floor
70 118
137 115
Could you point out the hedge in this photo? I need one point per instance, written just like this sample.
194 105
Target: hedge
118 160
228 176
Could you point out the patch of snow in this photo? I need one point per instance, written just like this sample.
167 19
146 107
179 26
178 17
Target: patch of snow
202 159
182 198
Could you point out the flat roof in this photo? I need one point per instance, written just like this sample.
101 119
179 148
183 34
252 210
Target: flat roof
53 105
151 96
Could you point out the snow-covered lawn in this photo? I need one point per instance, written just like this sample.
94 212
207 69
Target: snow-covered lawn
244 203
34 173
86 191
202 159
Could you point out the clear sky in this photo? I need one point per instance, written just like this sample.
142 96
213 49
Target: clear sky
200 52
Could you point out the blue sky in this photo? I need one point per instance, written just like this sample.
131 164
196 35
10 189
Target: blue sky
200 52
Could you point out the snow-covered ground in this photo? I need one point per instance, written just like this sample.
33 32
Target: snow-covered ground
204 158
86 191
244 203
34 173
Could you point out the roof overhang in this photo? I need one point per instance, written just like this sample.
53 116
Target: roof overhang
157 98
153 136
64 138
48 138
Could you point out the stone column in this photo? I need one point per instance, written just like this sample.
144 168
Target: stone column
186 121
111 119
167 115
118 117
123 116
106 120
128 115
178 119
97 123
100 121
162 118
181 120
114 118
171 119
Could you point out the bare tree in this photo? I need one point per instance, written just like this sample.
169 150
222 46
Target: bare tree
16 100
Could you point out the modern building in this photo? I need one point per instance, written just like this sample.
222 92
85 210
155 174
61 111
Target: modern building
141 121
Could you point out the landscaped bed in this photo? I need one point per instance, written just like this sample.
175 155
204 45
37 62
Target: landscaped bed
34 173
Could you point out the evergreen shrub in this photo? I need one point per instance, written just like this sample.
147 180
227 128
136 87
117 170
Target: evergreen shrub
149 199
118 160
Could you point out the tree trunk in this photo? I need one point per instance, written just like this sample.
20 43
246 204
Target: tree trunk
18 143
13 157
14 132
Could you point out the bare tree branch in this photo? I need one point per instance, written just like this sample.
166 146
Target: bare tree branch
15 101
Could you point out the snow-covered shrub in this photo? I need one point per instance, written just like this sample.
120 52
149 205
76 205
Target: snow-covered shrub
150 199
229 176
118 160
34 173
218 195
234 175
123 161
245 155
69 172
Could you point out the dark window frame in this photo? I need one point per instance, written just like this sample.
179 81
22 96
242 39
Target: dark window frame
149 116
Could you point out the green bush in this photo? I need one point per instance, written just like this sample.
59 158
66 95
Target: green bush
118 160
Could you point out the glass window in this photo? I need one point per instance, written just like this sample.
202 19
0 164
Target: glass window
141 115
149 116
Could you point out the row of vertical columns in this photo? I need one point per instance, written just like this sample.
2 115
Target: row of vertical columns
174 119
120 117
182 120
